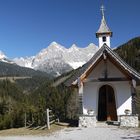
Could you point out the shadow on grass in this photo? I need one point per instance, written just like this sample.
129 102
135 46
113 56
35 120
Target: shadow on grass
71 123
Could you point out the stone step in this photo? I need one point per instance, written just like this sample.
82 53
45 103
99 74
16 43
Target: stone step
104 125
101 124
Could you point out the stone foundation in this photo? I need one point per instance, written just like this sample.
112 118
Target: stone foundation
129 121
87 120
123 120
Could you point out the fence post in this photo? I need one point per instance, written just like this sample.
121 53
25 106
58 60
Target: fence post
25 120
48 120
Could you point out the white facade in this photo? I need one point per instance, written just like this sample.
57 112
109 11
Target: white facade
122 92
101 42
122 89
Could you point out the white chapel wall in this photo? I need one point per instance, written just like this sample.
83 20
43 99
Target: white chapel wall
123 96
122 93
90 97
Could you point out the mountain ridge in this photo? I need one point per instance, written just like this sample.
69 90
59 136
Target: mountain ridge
57 59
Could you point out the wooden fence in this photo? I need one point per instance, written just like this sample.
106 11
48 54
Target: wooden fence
50 119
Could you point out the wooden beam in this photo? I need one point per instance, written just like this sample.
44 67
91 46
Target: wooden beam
87 73
105 65
106 80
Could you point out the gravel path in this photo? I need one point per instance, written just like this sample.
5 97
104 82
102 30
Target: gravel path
98 133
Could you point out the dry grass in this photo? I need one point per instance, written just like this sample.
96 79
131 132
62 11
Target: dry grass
27 131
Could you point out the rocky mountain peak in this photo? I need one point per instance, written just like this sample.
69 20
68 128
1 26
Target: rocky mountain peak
92 45
57 59
73 48
55 46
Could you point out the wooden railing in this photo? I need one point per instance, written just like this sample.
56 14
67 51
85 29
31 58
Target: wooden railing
50 119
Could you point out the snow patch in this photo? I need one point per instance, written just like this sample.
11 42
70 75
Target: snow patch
2 55
76 65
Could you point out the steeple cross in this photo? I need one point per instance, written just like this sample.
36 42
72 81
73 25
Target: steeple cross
102 10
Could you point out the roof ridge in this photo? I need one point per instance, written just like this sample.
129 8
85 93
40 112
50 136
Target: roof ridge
81 71
123 62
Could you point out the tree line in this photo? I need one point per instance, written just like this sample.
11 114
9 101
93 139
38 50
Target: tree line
14 104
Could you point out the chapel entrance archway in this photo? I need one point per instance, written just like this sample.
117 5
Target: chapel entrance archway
106 104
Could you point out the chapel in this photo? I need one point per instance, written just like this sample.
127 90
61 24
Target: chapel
106 85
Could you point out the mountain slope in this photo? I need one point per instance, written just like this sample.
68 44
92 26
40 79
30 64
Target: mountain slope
10 68
130 52
7 69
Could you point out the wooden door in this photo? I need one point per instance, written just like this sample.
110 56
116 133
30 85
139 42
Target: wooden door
111 104
106 104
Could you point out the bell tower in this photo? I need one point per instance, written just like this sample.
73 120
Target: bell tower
103 33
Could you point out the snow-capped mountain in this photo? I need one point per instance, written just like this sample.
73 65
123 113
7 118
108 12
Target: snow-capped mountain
25 62
57 59
76 57
4 58
2 55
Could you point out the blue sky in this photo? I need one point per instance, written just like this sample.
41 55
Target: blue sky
27 26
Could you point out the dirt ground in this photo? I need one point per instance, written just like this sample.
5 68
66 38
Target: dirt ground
30 131
72 133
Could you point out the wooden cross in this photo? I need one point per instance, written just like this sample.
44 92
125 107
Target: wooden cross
102 10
